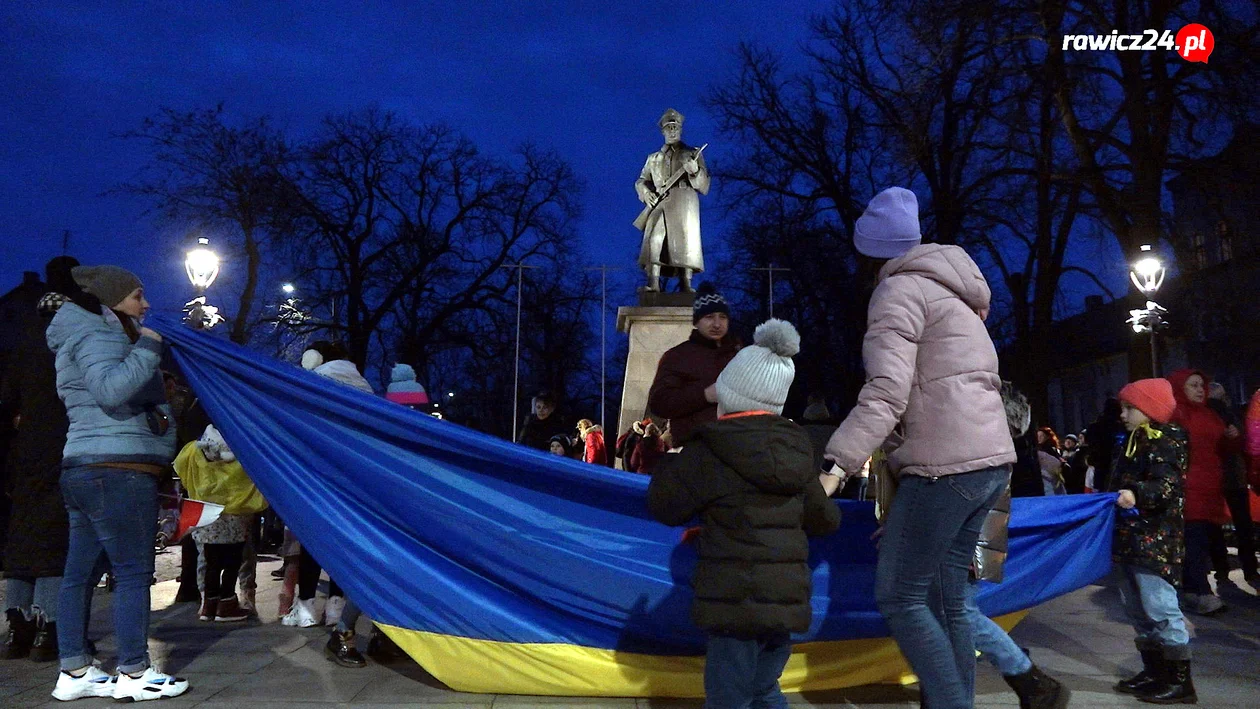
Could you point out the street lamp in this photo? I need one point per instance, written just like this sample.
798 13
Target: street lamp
288 288
1147 274
202 266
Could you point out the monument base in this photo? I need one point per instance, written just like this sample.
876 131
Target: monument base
652 331
658 299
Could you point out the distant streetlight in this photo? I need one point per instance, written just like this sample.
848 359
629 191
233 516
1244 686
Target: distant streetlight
202 265
450 395
1147 274
288 288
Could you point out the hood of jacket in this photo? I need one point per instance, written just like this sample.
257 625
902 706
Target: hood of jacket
950 266
768 451
1178 380
70 319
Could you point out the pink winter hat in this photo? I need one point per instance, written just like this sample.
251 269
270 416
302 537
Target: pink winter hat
1153 397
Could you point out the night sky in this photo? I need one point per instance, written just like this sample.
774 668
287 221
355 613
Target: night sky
589 82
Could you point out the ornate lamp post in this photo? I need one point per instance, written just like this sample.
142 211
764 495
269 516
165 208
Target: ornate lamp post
1147 274
202 266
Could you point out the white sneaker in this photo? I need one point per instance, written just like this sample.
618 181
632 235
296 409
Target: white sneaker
301 615
94 683
333 609
153 684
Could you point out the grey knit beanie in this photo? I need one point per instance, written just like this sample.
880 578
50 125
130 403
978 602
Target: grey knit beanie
110 284
890 225
758 377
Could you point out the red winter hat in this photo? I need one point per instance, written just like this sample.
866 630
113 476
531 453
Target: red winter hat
1153 397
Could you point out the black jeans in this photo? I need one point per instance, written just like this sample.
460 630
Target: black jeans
308 578
223 564
1202 540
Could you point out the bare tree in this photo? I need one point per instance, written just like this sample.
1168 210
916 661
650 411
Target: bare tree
226 180
1135 117
415 215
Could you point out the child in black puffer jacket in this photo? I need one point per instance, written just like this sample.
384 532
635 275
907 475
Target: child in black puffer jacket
750 476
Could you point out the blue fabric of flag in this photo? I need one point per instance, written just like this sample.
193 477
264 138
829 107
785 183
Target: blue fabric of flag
433 527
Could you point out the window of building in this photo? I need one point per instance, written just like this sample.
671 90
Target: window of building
1198 250
1225 239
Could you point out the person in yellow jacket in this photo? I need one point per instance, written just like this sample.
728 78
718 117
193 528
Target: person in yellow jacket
210 473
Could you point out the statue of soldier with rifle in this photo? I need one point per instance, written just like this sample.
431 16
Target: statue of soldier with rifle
669 187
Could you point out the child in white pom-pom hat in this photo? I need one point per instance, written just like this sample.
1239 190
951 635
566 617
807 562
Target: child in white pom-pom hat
750 478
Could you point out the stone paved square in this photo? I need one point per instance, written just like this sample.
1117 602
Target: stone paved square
1081 639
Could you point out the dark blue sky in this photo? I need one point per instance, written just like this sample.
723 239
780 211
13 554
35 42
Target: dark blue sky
591 82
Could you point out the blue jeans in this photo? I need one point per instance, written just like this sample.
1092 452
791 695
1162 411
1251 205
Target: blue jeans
993 642
744 674
349 616
1151 604
929 539
34 597
114 511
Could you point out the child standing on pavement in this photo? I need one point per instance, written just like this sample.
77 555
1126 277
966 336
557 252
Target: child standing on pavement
1149 475
750 476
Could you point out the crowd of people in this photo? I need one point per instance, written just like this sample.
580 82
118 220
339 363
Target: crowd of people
936 438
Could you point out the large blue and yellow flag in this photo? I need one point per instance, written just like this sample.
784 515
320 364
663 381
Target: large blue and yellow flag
503 569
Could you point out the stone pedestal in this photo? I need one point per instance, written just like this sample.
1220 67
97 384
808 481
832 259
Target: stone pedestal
652 331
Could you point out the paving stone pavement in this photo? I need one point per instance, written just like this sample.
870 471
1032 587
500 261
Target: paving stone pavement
1081 639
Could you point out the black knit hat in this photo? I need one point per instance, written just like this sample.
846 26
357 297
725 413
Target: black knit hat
708 301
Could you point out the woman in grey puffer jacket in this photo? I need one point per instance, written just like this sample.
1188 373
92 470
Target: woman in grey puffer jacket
120 440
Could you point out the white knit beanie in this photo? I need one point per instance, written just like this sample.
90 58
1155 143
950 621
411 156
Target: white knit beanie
890 225
758 377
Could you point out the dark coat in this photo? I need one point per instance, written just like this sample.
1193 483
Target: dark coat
647 453
682 375
752 481
1154 538
1101 439
537 433
1026 472
39 530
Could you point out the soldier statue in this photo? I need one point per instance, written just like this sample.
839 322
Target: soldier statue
670 185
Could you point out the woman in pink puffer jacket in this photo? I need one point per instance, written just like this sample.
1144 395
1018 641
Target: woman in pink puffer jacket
930 365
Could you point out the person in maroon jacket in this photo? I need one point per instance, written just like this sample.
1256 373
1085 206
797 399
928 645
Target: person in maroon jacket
683 390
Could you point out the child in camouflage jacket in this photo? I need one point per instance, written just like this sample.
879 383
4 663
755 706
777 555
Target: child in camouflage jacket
1149 475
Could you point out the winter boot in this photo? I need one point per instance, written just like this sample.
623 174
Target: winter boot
44 648
381 647
341 650
208 609
229 611
1037 690
1175 686
1152 667
21 635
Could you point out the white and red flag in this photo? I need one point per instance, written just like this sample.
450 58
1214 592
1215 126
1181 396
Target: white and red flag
195 513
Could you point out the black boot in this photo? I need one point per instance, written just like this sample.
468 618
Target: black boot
381 647
341 650
21 635
44 648
1152 667
1037 690
1176 685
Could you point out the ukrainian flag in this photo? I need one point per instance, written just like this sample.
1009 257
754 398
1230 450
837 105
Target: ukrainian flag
505 570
